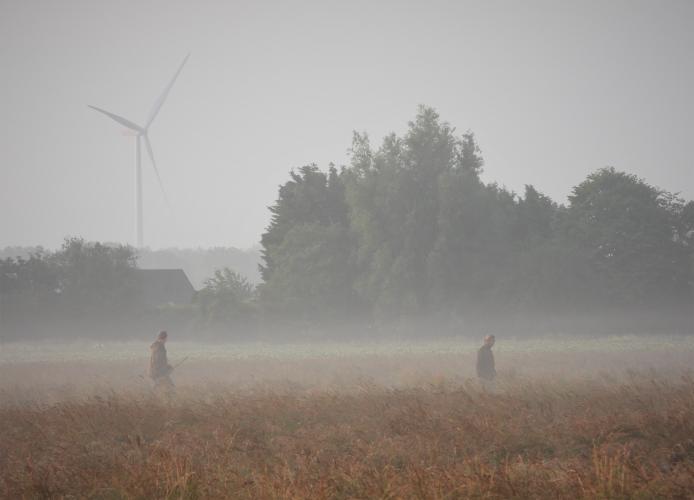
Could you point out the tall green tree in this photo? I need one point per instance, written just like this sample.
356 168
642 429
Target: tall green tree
635 236
394 204
308 265
410 228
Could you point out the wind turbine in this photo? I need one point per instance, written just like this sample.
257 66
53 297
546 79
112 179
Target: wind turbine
140 133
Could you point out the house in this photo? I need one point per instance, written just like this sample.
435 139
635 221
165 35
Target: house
162 287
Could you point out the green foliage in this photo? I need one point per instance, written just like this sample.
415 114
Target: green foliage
226 300
431 234
410 228
95 277
229 283
307 249
28 287
314 273
634 235
310 197
394 204
56 290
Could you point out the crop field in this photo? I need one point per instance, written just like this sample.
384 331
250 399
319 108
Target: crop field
594 418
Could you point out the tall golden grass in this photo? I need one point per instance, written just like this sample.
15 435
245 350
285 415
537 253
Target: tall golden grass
600 437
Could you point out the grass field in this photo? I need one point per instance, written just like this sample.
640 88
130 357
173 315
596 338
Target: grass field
598 418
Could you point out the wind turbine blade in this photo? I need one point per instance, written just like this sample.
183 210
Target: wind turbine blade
160 101
156 171
119 119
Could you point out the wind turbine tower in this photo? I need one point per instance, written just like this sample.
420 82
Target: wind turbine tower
141 135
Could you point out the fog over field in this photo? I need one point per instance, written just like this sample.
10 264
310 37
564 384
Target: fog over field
67 370
351 419
318 249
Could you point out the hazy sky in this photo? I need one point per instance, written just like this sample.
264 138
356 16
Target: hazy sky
553 90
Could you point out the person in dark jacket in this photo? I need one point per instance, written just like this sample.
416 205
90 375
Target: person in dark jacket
486 371
159 367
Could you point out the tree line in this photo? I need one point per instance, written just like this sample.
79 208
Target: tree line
76 288
410 230
408 234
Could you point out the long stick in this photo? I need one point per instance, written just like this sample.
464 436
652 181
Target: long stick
180 362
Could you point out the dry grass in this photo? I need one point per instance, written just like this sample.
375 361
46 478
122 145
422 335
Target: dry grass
433 435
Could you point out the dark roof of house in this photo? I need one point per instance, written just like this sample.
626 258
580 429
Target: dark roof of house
164 286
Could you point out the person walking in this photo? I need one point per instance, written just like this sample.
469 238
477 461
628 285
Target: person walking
486 370
159 367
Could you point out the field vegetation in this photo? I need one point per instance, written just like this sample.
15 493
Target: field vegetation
562 423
